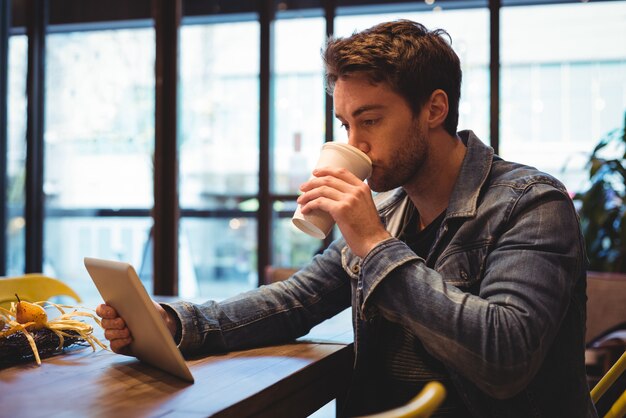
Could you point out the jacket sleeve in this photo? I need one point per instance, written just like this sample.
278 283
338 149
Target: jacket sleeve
269 314
497 333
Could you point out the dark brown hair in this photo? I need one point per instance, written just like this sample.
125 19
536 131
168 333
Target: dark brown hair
412 60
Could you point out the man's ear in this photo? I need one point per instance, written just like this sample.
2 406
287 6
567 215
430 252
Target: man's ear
437 107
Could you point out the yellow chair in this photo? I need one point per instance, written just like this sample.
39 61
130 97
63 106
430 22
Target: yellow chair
32 287
423 405
618 409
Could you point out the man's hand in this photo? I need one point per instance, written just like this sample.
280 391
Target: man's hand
115 330
349 201
118 334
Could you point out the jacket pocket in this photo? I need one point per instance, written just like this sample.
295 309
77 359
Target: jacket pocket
463 266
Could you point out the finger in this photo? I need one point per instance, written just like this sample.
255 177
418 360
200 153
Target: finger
121 346
322 196
328 186
116 323
334 189
327 175
117 334
333 206
338 172
106 312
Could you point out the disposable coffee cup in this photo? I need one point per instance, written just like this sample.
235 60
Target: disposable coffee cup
319 223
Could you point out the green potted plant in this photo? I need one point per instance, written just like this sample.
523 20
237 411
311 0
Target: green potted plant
602 207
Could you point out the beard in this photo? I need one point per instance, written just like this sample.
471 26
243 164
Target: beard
405 162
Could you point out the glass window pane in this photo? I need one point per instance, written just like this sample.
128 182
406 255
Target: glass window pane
469 30
16 154
99 141
298 101
562 86
73 238
219 157
298 128
219 142
217 257
292 247
99 135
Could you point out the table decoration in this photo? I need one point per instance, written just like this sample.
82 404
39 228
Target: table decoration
26 332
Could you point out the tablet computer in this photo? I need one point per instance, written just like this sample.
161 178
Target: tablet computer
152 343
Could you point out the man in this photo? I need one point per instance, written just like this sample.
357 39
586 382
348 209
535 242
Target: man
465 268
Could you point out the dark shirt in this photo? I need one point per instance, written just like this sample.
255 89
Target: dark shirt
405 365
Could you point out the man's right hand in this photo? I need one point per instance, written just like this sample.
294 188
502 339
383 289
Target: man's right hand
118 334
349 201
115 330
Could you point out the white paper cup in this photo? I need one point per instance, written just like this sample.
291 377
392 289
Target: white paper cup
319 223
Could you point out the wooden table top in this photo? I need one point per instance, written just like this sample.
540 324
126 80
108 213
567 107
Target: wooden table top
288 380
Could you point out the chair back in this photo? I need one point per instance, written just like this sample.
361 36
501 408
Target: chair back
33 287
275 274
606 303
618 409
423 405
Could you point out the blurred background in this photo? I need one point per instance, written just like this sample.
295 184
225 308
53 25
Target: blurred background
543 82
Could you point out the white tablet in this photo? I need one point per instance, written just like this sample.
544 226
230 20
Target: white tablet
152 343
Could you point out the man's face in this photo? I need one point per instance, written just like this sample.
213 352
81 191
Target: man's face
381 124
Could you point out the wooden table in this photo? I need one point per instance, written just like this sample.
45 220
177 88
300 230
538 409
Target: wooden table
290 380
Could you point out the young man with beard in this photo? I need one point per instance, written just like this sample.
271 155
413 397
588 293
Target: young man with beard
464 268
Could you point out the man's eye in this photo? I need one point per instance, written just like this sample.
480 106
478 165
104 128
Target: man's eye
345 126
370 122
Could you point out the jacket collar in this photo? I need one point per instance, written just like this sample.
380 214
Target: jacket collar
474 172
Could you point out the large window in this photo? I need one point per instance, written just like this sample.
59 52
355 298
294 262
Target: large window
16 155
297 129
99 140
563 85
219 158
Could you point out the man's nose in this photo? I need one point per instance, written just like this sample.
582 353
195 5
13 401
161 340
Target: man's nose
359 143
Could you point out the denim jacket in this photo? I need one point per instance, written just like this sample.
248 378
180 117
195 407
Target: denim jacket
500 300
